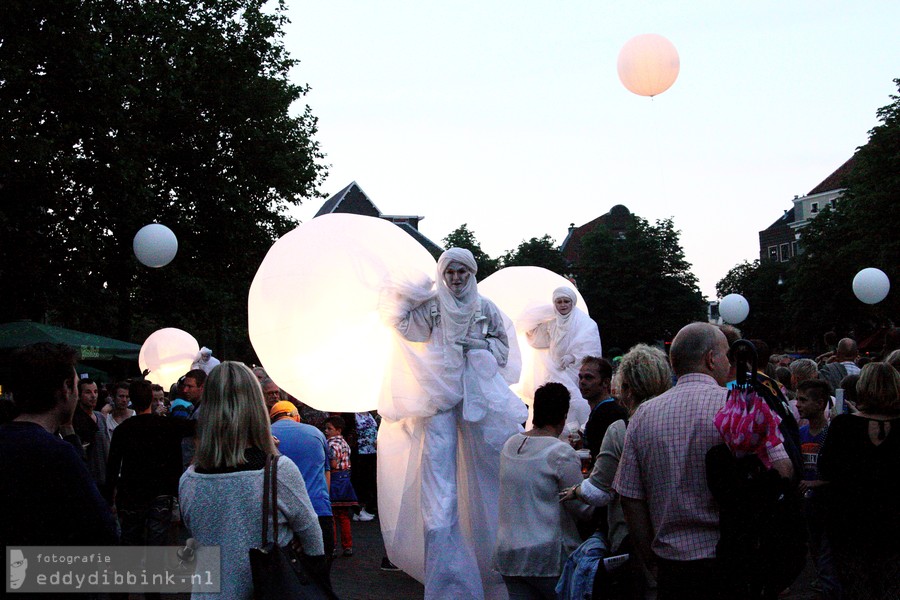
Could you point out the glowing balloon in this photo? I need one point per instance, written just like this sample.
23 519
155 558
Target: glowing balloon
168 354
155 245
734 308
648 64
516 289
871 285
313 308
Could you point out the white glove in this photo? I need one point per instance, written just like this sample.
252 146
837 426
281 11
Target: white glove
565 361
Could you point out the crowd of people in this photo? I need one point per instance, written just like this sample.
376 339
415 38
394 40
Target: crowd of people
659 506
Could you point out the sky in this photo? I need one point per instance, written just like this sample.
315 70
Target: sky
510 116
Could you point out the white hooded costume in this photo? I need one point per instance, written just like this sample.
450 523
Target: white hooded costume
205 360
445 417
567 339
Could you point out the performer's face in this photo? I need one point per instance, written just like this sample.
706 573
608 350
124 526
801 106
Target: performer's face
563 305
456 276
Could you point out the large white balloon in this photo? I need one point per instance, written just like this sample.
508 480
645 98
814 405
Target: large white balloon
313 308
734 308
871 285
168 354
517 289
155 245
648 64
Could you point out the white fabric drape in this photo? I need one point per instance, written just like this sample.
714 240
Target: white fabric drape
445 417
563 341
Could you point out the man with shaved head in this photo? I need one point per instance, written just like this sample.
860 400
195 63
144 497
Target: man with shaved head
844 363
671 514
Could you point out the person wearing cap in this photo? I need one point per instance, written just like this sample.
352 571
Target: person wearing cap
307 447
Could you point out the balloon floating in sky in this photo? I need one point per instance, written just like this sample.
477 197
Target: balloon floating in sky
648 64
313 308
734 308
168 354
155 245
871 285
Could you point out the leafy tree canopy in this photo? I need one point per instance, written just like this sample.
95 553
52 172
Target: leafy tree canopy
537 252
463 237
639 286
116 114
860 232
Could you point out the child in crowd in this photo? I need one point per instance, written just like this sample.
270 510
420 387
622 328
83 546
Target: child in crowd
342 495
813 396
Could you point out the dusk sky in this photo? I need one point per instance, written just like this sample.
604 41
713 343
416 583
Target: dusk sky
510 116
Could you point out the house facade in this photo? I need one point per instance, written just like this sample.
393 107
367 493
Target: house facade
780 241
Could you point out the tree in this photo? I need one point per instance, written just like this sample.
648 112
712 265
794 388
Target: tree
118 113
463 237
638 286
861 232
536 252
759 284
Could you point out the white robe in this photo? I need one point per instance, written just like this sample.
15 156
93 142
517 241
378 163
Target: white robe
445 418
560 358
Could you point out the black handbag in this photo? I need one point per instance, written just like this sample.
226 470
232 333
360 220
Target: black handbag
284 572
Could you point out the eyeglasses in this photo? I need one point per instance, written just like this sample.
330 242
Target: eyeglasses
273 394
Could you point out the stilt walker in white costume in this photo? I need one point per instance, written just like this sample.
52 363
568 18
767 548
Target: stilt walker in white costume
442 431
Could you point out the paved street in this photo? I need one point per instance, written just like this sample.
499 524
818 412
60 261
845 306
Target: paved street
360 577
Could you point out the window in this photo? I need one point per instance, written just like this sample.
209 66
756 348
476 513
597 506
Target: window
785 252
794 249
773 253
814 207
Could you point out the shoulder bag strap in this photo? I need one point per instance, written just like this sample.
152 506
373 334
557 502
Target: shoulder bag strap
265 503
274 484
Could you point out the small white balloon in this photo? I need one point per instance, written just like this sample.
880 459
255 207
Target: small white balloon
168 354
871 285
734 308
155 245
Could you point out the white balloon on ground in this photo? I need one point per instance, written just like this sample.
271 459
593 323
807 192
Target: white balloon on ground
871 285
168 354
734 308
155 245
313 308
648 64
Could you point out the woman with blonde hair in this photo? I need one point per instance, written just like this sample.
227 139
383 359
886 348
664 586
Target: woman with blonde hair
643 373
221 493
860 460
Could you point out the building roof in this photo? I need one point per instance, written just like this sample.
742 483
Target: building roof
353 200
615 220
333 204
785 219
835 181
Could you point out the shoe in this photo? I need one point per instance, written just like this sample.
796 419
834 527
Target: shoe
363 516
387 565
348 551
355 517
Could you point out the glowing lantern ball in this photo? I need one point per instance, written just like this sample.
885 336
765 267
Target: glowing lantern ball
734 308
648 64
871 285
155 245
168 354
517 289
313 308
